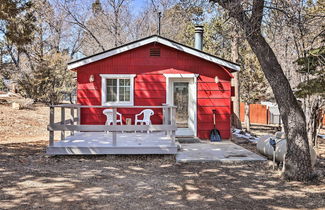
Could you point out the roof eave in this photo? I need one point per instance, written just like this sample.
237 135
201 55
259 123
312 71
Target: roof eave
84 61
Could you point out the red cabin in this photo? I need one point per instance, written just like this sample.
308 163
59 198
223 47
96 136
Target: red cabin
155 71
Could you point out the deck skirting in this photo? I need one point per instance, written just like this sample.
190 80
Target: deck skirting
100 143
111 150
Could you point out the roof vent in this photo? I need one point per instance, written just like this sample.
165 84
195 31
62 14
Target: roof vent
155 52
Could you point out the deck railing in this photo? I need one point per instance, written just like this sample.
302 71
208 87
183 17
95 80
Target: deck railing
72 123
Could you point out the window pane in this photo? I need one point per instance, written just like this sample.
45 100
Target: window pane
127 94
111 82
111 90
122 82
124 90
127 82
122 94
111 93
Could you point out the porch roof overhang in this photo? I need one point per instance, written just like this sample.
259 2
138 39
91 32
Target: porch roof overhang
233 67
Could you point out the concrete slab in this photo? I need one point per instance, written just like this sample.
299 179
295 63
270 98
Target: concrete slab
225 151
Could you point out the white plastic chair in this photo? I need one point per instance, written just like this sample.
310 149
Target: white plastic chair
147 113
109 117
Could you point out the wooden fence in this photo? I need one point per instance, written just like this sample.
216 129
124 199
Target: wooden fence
260 114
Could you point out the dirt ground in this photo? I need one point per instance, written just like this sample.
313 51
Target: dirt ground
31 180
24 125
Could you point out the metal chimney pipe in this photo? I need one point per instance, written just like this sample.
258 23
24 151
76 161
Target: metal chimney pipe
198 43
159 22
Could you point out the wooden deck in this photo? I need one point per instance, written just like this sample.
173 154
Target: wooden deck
99 143
111 139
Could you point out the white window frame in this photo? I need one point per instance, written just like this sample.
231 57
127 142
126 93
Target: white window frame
117 76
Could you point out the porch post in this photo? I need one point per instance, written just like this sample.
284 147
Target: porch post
72 119
78 115
51 132
165 121
114 123
173 122
168 119
62 122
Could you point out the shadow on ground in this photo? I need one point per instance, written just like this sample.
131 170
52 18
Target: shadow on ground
30 179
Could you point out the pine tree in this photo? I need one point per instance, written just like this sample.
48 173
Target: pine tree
50 81
16 18
313 89
97 7
312 66
44 76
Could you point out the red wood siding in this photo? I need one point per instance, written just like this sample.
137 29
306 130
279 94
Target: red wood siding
150 86
211 96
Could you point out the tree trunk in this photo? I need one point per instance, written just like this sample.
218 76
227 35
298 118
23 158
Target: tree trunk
298 162
321 114
247 118
313 115
236 83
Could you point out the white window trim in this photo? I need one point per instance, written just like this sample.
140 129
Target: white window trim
117 76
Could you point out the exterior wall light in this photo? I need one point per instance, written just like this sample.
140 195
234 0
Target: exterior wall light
216 79
91 78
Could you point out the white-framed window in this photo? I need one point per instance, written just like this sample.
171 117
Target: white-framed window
117 89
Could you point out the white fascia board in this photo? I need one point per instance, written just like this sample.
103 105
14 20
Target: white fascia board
199 54
111 53
148 41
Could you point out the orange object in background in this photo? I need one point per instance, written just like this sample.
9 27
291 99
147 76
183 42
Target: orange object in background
258 113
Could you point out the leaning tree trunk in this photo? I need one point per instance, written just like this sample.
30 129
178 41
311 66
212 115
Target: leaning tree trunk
298 161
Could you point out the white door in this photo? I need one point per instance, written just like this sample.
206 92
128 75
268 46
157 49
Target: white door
180 100
182 94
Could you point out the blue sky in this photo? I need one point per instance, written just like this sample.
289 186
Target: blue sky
139 5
